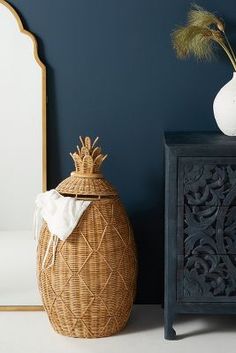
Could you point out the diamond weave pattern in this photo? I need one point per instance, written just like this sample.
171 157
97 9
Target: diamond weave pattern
90 289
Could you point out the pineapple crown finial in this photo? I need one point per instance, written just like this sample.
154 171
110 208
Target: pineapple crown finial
88 158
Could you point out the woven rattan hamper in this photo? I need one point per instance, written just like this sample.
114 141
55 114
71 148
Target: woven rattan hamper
89 290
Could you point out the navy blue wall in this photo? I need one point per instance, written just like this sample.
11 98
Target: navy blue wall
112 73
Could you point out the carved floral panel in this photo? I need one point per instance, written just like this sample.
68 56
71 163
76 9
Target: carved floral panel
209 229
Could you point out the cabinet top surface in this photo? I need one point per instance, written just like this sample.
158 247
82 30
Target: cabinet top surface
198 138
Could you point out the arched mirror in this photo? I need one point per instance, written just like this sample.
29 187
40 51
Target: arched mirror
22 159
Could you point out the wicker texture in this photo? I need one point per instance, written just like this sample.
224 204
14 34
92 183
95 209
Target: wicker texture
76 185
87 180
90 290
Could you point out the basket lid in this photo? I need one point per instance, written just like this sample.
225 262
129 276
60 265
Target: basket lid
87 179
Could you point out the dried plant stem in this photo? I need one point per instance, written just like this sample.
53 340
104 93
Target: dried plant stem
229 45
228 53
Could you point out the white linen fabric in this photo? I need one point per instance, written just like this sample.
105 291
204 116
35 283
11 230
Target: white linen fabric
61 215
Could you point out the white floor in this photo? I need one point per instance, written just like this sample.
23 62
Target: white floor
27 332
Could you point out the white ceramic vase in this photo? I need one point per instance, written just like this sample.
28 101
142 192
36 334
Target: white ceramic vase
224 107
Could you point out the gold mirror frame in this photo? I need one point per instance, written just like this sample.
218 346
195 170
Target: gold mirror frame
44 137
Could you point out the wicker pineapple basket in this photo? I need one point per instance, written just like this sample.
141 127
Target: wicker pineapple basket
89 291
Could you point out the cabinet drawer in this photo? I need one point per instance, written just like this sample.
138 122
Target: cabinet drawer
205 182
206 278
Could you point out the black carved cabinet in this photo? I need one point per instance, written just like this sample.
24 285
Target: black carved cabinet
200 225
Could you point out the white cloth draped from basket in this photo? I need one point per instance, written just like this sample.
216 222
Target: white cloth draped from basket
61 215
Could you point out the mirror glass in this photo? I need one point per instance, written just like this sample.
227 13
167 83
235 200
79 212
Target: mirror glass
22 158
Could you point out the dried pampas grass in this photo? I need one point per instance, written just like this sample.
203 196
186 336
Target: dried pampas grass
198 38
197 16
